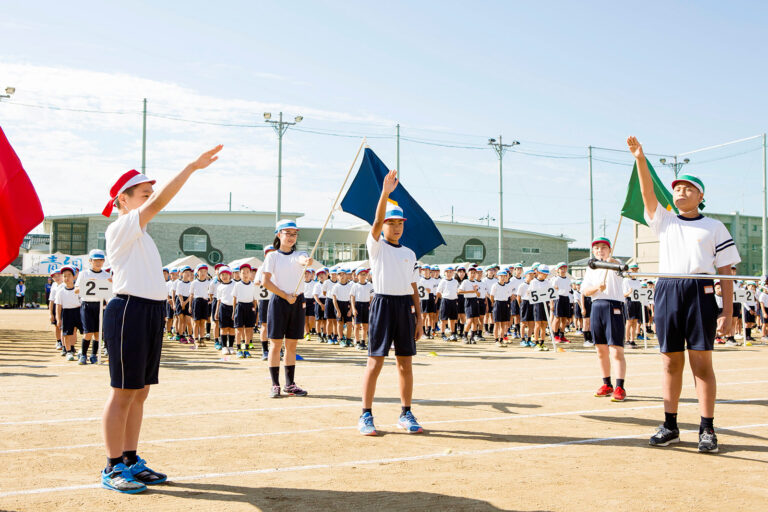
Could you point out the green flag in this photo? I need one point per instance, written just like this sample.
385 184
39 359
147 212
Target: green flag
633 205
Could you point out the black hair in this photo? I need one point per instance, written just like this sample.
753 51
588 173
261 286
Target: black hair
276 243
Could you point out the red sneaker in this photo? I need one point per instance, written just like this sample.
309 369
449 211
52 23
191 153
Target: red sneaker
605 390
563 339
720 340
558 339
619 394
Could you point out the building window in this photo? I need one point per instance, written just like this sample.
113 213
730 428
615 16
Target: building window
331 253
531 250
754 227
755 247
473 252
195 243
101 241
253 247
70 237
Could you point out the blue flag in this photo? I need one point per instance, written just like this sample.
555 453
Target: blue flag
420 233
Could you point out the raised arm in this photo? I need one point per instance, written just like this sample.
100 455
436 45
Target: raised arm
646 183
163 195
390 183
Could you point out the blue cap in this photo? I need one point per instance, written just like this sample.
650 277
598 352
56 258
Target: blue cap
543 269
449 267
269 248
285 224
517 265
174 269
461 267
434 267
201 266
394 213
561 264
185 268
334 271
502 273
165 269
529 271
236 269
425 267
479 269
96 254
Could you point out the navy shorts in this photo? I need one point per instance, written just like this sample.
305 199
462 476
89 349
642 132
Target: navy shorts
226 316
200 308
89 316
501 311
330 310
343 314
363 310
186 310
686 311
431 304
634 310
70 320
309 307
245 315
749 317
449 309
563 306
526 312
587 307
514 307
285 320
576 310
263 310
481 306
169 309
133 330
424 305
460 302
607 322
470 307
736 309
391 322
319 311
539 313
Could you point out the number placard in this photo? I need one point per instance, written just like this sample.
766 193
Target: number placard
422 293
645 296
96 290
741 295
543 295
635 295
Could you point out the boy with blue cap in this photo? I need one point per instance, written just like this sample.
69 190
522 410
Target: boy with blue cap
685 309
89 305
395 273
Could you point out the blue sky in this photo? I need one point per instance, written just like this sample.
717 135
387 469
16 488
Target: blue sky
557 76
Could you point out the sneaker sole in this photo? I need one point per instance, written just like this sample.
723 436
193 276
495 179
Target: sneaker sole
420 431
369 434
710 451
129 491
671 441
617 399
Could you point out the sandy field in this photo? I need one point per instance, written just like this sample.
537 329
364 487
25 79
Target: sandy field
505 429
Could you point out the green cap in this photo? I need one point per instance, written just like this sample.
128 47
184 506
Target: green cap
601 240
693 180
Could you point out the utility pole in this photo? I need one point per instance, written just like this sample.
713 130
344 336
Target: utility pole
591 201
500 148
765 210
675 166
398 152
280 127
605 226
144 140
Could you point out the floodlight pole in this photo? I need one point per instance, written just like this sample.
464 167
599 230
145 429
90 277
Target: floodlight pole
500 148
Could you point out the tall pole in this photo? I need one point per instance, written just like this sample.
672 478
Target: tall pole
501 208
279 168
591 201
765 210
144 140
398 151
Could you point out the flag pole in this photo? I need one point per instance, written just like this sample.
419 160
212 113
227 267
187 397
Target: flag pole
333 208
615 239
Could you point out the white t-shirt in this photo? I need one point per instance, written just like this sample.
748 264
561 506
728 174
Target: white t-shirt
393 267
328 288
763 298
52 294
67 297
136 266
448 289
501 292
515 283
309 289
362 292
225 293
540 287
213 285
244 292
523 291
562 285
183 288
170 285
468 286
719 301
434 285
691 246
424 286
320 289
199 289
613 284
629 285
342 291
285 269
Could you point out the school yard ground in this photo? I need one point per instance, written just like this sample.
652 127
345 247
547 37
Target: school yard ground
506 429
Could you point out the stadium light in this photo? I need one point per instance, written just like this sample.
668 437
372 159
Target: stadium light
280 127
500 148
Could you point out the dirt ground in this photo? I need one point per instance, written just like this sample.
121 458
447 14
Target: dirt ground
505 429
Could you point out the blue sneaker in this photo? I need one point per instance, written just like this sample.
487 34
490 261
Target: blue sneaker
94 359
143 474
408 423
365 425
121 479
217 345
82 359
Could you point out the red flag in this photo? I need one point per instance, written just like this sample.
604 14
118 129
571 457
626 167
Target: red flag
20 209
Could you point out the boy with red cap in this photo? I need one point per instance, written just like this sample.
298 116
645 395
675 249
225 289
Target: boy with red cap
133 320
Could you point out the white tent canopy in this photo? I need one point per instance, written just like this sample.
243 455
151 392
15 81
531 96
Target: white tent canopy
252 261
192 261
10 270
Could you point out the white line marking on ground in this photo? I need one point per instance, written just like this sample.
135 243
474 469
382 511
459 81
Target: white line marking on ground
308 467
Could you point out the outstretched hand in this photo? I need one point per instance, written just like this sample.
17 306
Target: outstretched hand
635 147
390 182
207 158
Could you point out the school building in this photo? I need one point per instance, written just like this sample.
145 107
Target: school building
746 230
222 236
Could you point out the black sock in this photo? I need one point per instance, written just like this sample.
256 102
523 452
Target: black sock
84 346
620 383
130 458
95 347
231 340
72 349
670 420
607 381
265 346
748 331
207 328
274 371
706 423
112 462
290 371
367 410
404 409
